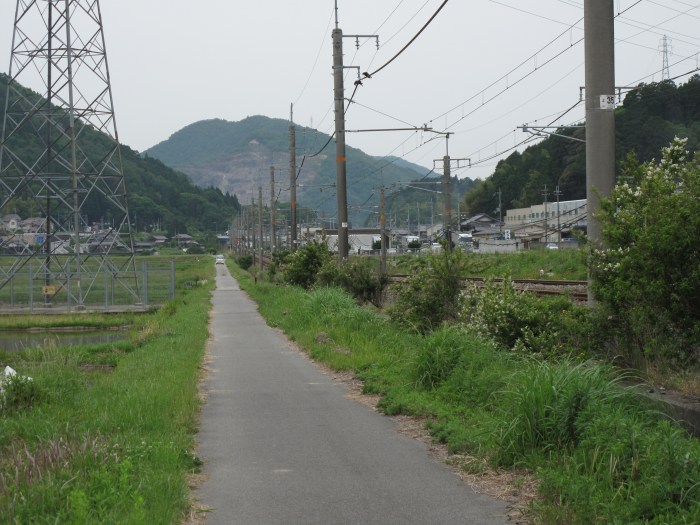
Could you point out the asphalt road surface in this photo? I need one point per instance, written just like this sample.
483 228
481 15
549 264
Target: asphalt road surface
282 445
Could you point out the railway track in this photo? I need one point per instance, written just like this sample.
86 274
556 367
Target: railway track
576 290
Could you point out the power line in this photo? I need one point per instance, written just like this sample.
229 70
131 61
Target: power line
513 70
318 54
369 75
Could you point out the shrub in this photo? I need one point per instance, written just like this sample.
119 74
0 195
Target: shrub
431 296
17 393
302 267
357 276
245 262
522 321
648 275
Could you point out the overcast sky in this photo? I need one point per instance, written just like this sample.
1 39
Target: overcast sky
175 62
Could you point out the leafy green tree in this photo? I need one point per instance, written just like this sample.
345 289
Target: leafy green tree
303 266
649 273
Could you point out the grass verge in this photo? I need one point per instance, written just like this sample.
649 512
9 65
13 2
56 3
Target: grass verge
104 433
601 453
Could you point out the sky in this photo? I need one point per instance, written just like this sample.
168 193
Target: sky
480 69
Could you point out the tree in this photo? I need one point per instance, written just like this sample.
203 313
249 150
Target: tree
649 273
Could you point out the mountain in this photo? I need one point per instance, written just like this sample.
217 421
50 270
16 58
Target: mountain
236 158
648 120
157 194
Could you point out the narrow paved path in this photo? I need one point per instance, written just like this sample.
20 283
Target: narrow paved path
282 445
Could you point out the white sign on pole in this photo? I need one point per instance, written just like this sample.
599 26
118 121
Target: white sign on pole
607 102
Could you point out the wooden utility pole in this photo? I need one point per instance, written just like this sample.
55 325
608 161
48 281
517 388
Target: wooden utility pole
260 226
447 190
340 159
292 181
382 231
273 224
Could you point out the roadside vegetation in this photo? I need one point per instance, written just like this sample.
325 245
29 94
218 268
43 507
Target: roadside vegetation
508 380
566 264
103 433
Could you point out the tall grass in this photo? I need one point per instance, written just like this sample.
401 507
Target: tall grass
110 445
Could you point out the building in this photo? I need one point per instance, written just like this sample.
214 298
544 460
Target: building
543 221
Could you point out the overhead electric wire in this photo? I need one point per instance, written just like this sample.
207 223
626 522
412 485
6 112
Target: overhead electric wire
529 12
318 54
411 19
529 139
505 76
369 75
522 142
381 113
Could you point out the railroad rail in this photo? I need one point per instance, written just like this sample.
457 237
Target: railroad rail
576 290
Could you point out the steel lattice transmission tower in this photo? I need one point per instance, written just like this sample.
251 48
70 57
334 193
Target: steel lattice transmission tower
666 49
60 158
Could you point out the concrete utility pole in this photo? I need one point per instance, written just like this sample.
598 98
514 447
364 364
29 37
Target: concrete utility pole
500 215
260 226
447 190
599 34
558 193
293 180
340 159
546 214
273 224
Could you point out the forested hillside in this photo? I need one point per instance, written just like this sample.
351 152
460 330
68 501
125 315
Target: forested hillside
236 158
648 120
157 194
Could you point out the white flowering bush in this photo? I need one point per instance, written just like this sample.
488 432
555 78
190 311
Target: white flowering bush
648 274
523 322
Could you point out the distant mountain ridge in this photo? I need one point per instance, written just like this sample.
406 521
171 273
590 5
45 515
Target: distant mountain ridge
158 196
235 157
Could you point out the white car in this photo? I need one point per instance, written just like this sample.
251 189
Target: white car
220 259
552 246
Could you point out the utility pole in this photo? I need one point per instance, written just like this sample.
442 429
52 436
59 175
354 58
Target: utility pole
447 187
447 190
340 160
273 224
293 180
558 193
251 227
546 213
500 215
599 35
260 227
382 231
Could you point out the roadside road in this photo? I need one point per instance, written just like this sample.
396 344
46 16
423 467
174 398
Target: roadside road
282 445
